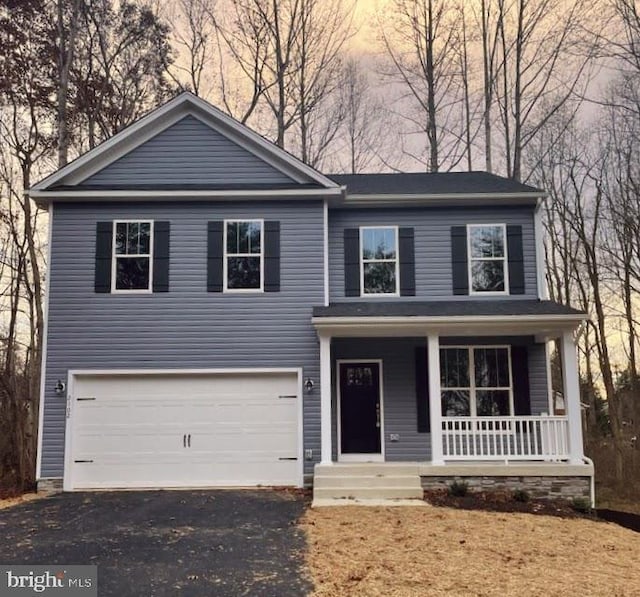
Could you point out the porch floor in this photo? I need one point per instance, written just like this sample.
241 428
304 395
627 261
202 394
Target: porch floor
469 468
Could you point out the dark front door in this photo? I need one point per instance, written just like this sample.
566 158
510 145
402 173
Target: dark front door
360 408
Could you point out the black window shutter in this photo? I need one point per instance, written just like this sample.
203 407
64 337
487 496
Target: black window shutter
459 267
272 256
407 262
161 233
520 377
516 259
215 255
352 262
422 390
104 238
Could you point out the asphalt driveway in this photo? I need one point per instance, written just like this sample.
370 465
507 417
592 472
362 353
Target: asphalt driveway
157 543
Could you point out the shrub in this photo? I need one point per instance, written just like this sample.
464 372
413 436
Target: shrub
520 495
459 488
581 504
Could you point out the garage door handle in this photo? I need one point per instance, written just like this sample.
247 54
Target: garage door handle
189 440
294 458
184 440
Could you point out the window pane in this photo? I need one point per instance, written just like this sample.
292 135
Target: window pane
253 232
359 376
488 276
487 241
491 367
121 239
232 237
145 238
243 272
492 403
243 237
380 278
368 244
133 230
132 273
454 368
455 403
378 243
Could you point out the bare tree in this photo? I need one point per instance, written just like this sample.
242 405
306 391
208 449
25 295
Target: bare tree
120 71
67 29
363 134
194 36
421 39
543 63
288 53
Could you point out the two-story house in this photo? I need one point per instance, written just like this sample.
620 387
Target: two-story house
221 314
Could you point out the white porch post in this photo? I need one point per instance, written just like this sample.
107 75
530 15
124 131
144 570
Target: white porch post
571 390
435 408
325 399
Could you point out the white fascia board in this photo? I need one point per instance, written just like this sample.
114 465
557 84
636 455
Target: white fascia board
442 199
163 117
69 196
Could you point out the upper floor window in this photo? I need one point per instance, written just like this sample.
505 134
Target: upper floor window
379 265
243 258
476 381
488 258
132 256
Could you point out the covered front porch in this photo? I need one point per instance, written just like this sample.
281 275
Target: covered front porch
445 384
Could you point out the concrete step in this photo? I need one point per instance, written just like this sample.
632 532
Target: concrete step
375 493
408 481
365 469
332 502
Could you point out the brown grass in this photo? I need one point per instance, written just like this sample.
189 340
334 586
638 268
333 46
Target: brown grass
398 552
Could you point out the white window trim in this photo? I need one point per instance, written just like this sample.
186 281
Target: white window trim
226 255
473 408
505 260
396 260
114 257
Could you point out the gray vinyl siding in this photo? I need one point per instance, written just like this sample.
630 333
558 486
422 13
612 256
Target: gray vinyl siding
399 394
432 230
538 381
186 327
188 152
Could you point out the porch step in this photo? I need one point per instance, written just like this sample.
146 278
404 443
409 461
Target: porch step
341 469
367 493
357 481
336 484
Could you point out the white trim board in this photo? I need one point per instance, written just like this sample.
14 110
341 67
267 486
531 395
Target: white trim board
373 457
43 362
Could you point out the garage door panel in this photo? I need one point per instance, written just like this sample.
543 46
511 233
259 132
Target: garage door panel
243 430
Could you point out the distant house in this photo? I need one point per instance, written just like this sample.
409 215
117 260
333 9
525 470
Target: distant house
220 314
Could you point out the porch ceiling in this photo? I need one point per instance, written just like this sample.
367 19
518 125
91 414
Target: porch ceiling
542 319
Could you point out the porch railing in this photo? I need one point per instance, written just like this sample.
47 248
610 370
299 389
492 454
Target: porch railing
505 438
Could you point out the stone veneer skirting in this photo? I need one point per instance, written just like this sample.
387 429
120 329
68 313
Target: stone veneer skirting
49 485
538 487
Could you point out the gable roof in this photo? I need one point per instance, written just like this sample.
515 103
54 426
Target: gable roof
186 104
433 183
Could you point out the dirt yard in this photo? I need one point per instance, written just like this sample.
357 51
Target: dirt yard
398 552
25 497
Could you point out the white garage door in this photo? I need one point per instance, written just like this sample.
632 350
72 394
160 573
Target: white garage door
179 430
